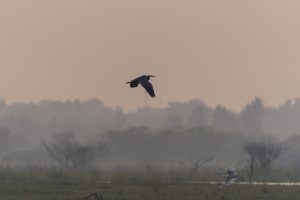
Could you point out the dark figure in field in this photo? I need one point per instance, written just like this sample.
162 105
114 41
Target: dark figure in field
144 81
231 177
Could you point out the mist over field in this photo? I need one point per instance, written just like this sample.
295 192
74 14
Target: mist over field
221 125
180 133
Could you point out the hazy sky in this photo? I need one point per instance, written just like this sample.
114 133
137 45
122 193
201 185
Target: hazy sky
224 52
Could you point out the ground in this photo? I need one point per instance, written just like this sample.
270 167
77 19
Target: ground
157 191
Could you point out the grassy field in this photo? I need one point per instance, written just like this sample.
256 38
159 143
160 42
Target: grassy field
40 183
76 191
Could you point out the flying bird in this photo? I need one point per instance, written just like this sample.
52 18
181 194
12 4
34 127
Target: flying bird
144 81
231 177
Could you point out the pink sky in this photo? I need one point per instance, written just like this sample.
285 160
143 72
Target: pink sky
223 52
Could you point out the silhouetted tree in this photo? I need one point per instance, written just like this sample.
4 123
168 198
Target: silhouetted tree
268 152
252 151
199 162
70 154
251 117
225 120
199 116
263 154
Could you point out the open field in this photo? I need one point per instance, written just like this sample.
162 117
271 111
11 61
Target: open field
76 191
40 183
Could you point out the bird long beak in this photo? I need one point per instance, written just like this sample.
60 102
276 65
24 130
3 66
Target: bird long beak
128 82
151 76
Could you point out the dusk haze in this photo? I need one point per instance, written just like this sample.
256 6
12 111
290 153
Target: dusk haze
223 52
149 99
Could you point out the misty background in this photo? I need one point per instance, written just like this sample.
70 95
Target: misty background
223 52
219 53
179 133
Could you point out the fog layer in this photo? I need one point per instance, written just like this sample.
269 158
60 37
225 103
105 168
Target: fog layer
181 131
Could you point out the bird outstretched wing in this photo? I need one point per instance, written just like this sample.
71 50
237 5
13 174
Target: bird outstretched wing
148 86
230 180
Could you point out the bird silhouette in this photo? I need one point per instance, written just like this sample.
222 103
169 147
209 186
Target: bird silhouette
231 177
144 81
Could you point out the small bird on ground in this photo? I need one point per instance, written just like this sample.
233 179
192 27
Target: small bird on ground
144 81
231 177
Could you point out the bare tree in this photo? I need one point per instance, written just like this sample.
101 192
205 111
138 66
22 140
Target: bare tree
263 154
199 162
70 154
252 152
268 152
